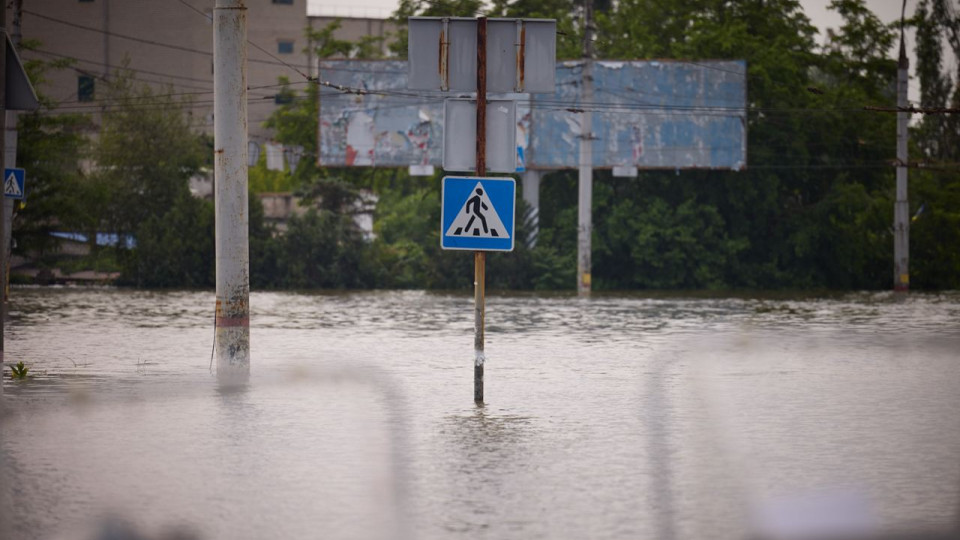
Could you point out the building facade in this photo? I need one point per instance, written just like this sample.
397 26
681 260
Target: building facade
169 45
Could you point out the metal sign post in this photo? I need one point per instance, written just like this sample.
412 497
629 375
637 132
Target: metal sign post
521 55
480 257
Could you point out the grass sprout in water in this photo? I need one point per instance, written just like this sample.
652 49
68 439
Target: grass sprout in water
19 371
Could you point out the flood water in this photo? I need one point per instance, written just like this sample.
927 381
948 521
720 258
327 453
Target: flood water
618 416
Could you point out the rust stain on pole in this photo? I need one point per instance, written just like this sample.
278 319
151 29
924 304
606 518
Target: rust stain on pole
521 55
444 63
231 200
481 96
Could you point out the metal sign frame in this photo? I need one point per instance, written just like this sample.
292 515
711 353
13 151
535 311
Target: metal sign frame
460 135
520 52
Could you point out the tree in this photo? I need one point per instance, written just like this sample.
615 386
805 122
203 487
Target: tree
50 146
146 152
935 191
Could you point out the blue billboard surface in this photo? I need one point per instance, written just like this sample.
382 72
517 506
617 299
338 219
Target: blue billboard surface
649 115
645 114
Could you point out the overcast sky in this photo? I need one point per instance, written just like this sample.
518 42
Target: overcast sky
822 18
887 10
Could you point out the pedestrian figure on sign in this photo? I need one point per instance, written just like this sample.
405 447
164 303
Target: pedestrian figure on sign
474 206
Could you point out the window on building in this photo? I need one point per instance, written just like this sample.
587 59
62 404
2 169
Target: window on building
282 99
288 2
285 47
85 88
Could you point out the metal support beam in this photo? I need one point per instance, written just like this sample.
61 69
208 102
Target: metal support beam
230 191
531 195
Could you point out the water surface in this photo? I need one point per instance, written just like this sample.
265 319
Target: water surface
617 416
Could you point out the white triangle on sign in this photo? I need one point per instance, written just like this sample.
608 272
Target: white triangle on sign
478 218
11 186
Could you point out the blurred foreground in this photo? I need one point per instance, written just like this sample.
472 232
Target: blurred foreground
661 417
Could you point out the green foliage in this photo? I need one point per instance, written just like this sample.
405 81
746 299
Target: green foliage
146 152
51 147
324 44
322 249
812 210
263 180
19 371
175 248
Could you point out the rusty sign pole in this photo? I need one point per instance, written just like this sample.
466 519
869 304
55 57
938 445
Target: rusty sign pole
230 186
480 257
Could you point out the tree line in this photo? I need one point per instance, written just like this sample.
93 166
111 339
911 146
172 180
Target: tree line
814 208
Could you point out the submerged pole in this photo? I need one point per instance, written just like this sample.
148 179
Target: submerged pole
10 151
585 179
230 190
901 210
479 257
3 163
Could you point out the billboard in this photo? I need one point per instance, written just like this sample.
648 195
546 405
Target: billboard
387 126
645 114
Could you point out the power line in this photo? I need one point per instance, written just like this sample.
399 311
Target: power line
258 47
127 99
114 34
918 110
151 42
115 66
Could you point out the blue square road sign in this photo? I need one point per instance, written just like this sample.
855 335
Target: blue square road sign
478 214
14 181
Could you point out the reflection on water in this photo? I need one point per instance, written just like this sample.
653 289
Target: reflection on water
617 416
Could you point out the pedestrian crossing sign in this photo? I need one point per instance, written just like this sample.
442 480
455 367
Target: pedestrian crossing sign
478 214
13 183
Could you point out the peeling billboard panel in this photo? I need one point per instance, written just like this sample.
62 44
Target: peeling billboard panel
645 114
387 126
649 115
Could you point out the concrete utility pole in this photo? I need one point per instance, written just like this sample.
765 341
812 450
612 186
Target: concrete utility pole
230 186
585 184
901 210
3 163
10 150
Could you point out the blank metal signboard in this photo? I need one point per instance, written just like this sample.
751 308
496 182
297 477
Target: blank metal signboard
520 54
477 214
460 135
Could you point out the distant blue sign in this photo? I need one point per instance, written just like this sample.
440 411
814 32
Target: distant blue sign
477 214
14 181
